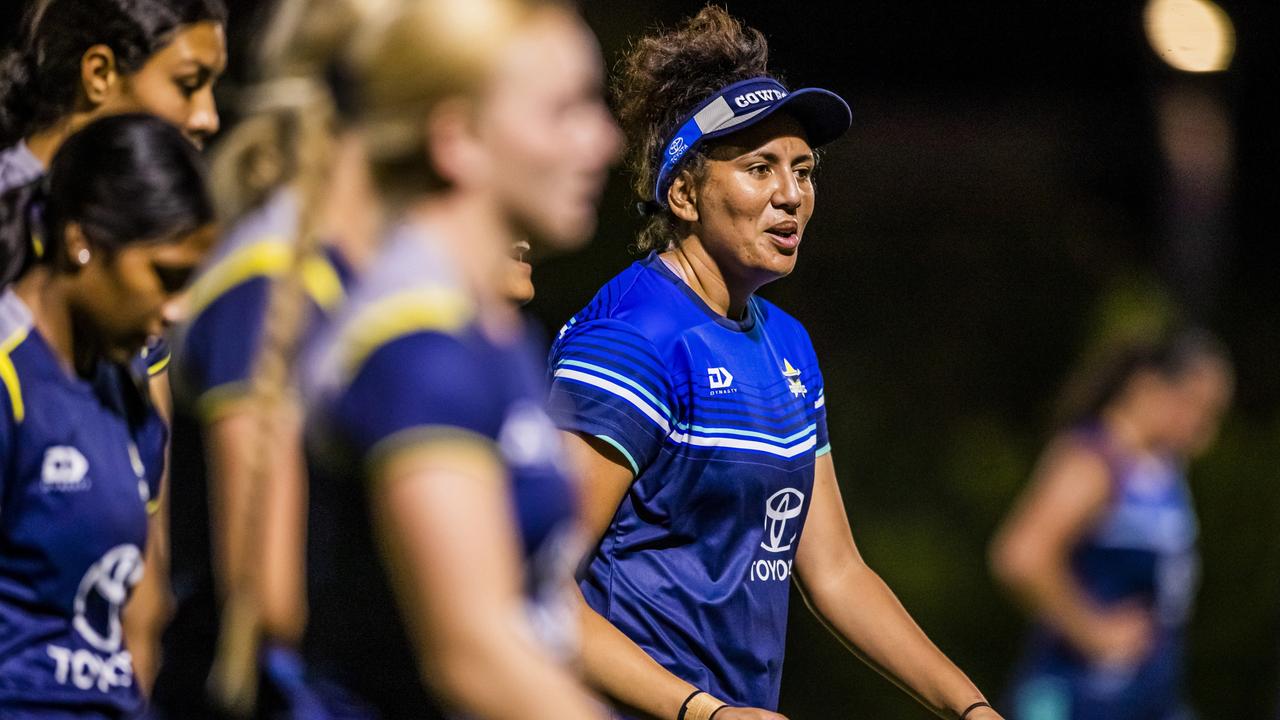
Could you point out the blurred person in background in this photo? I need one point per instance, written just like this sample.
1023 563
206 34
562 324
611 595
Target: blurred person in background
441 534
77 60
292 183
1101 548
696 409
95 260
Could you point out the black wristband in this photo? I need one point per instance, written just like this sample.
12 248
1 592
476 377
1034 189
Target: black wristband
713 715
975 706
684 706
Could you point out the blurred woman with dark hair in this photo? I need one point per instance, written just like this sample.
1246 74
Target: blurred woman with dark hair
696 408
95 259
1101 549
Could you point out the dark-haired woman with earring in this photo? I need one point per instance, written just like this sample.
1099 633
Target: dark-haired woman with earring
95 259
1101 549
78 60
697 409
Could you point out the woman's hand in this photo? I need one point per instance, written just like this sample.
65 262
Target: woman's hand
743 713
1121 636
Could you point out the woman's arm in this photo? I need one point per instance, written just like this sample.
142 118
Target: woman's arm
859 607
1031 556
615 665
151 605
443 516
232 438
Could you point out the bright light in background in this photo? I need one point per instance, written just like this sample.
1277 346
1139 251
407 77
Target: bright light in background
1190 35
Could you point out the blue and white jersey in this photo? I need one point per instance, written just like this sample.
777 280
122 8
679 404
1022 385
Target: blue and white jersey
721 422
405 368
80 461
18 166
1142 551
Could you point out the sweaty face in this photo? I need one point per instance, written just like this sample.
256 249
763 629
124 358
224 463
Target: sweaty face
133 294
548 132
176 83
754 200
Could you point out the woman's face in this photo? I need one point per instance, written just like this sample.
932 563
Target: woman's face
1197 400
126 297
754 199
547 133
176 84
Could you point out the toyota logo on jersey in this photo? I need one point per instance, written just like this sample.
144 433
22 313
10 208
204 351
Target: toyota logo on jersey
779 510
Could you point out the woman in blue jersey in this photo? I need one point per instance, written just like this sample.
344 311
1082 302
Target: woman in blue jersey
95 259
441 514
697 409
77 60
1101 549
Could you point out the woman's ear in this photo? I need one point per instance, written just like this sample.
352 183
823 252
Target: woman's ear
98 75
453 147
76 252
682 197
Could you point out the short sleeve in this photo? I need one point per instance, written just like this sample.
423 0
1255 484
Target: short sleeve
415 389
820 418
219 347
610 382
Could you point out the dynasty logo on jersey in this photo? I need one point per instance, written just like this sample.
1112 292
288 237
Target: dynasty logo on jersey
64 469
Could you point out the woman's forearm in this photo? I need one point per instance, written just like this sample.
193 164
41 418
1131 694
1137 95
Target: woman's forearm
857 605
617 667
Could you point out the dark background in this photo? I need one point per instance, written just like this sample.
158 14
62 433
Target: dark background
1002 202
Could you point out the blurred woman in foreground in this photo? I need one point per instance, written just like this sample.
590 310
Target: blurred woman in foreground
1101 549
441 517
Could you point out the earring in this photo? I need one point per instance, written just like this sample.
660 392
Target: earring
83 256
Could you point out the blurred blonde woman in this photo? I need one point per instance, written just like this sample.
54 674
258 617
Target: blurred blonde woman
442 525
292 183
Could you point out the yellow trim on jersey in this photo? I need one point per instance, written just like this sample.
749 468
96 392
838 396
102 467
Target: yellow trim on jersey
322 282
160 366
414 450
271 256
153 506
9 373
440 309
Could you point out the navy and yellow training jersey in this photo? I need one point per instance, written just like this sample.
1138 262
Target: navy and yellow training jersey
80 461
216 352
404 367
720 420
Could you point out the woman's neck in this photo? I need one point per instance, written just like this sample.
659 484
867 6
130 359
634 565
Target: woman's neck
690 260
45 143
479 241
1126 430
46 297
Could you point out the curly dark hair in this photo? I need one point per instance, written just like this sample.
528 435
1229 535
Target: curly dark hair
661 79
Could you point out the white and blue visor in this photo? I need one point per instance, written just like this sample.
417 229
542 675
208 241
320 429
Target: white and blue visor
824 116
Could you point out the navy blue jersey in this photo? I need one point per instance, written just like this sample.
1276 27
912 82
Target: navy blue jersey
721 421
1141 551
405 367
18 166
216 351
80 461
